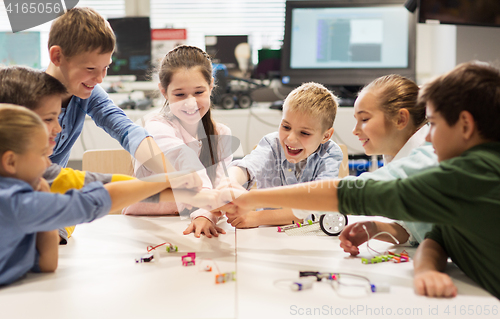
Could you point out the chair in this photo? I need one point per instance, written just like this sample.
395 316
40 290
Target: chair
344 166
108 162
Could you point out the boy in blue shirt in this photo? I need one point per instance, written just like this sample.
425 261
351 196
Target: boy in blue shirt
81 43
29 216
461 196
301 151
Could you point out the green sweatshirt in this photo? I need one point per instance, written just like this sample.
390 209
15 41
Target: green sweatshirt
461 197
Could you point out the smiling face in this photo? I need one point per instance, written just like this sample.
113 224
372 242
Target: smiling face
82 72
31 165
300 135
375 132
48 109
446 139
188 95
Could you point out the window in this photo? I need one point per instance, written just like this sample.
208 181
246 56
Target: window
261 20
108 8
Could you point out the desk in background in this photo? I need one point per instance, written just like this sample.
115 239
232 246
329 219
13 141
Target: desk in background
98 278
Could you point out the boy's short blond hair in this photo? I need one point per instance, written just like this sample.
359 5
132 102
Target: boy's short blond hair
315 100
81 30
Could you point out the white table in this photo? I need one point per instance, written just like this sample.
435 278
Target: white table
98 278
266 259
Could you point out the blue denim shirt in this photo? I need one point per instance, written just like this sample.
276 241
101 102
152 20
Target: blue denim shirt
24 212
105 114
268 166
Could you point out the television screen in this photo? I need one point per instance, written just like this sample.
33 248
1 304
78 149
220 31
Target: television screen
347 43
133 47
466 12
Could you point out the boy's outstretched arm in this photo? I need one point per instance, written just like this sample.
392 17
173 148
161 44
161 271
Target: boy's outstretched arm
255 218
126 193
429 263
236 175
318 195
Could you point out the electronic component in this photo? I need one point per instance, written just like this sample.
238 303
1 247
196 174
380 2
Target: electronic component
319 275
189 259
380 287
225 277
397 258
171 248
345 281
293 226
145 259
302 284
207 268
312 229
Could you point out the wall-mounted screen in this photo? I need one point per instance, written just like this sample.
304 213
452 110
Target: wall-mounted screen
347 43
133 47
466 12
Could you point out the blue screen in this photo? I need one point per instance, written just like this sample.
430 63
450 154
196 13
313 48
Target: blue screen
364 37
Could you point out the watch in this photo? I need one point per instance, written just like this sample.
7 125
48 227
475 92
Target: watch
332 223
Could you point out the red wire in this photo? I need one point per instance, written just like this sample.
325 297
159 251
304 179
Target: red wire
149 248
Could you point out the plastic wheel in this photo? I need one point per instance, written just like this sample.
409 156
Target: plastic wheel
227 101
332 224
244 101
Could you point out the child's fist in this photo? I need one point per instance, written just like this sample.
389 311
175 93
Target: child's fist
433 283
43 186
185 179
207 199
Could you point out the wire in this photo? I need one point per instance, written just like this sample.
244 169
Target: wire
376 235
247 135
261 120
150 248
278 94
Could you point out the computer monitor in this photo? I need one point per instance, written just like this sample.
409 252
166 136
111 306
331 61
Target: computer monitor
347 43
133 47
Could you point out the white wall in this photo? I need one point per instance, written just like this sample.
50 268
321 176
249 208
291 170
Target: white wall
137 8
478 43
441 47
436 50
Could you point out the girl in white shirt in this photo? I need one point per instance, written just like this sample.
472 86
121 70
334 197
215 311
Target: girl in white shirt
186 133
389 122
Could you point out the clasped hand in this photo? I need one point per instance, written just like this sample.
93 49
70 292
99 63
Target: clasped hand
212 199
